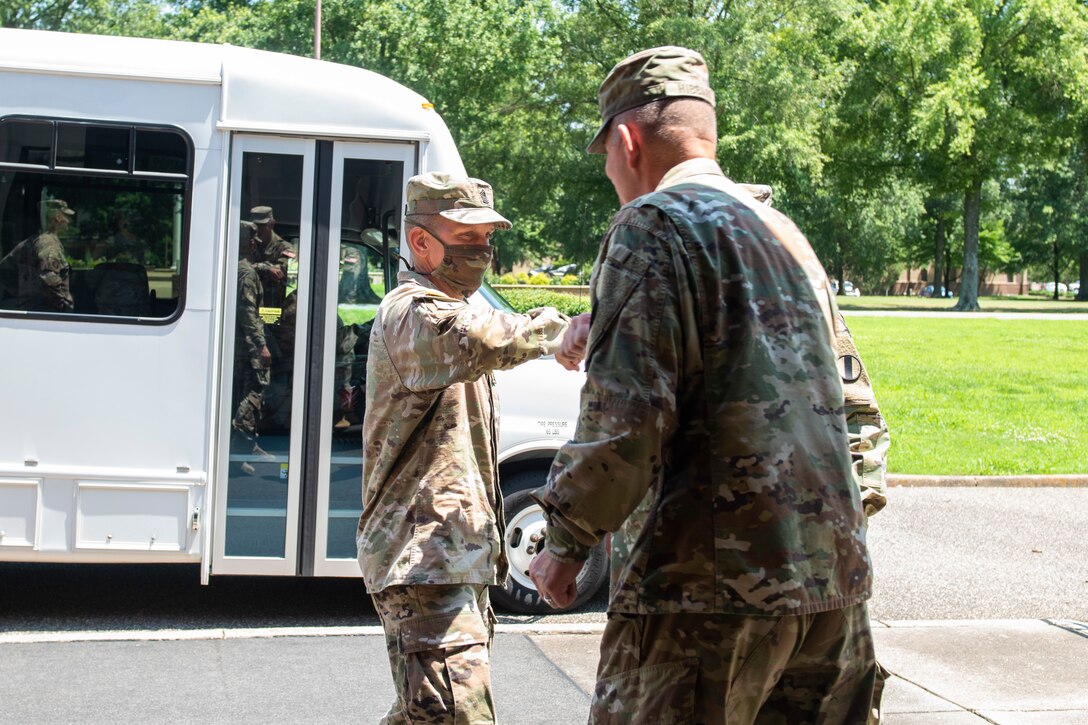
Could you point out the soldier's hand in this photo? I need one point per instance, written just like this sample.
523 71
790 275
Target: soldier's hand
573 348
266 356
554 579
276 273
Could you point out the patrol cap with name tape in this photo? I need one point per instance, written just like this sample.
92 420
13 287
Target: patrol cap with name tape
51 206
458 198
647 76
261 214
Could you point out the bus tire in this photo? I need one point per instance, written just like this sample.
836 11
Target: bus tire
524 521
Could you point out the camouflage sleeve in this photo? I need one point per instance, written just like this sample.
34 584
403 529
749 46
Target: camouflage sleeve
249 319
868 433
628 407
53 269
441 342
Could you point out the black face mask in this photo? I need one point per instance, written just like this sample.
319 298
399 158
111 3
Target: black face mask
463 266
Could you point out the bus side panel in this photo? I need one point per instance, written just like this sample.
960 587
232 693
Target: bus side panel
105 427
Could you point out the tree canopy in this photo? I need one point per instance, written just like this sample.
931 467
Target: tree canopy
895 132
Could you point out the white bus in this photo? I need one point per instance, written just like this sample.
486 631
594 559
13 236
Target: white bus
126 167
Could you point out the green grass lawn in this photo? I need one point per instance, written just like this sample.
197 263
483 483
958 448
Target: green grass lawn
980 396
988 304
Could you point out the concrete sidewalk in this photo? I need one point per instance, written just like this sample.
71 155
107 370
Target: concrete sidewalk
998 671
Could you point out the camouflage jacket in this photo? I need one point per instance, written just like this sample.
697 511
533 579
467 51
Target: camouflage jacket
278 254
250 327
42 271
432 509
711 436
868 433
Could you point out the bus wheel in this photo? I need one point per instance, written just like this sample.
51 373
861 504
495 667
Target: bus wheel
525 526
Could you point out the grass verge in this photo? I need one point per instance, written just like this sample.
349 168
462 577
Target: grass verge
980 396
988 304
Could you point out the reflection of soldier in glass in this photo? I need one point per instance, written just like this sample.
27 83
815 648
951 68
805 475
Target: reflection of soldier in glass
345 358
251 356
124 245
271 256
354 278
40 264
363 220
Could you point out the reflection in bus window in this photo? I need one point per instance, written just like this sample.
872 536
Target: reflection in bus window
84 241
370 212
264 355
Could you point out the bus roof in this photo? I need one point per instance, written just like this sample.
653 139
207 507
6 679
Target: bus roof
260 90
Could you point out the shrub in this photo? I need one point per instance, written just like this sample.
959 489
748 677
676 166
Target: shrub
540 278
521 278
524 300
569 279
508 278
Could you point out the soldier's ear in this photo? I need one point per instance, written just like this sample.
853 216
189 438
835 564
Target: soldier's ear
630 141
417 240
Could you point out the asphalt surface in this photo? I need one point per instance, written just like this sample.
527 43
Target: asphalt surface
1006 568
981 553
939 553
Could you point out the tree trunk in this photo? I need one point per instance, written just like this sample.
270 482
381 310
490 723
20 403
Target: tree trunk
1056 268
840 273
938 257
972 208
1082 295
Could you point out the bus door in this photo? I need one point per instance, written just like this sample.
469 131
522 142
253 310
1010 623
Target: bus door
313 230
367 203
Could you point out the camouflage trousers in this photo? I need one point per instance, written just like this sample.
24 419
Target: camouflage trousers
439 643
716 668
250 383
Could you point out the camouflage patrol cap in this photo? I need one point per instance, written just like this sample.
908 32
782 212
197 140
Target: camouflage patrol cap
650 75
261 214
54 205
458 198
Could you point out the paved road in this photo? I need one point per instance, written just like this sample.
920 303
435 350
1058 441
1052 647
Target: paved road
939 553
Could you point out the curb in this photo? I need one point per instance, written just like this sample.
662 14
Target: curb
1076 627
219 633
1061 481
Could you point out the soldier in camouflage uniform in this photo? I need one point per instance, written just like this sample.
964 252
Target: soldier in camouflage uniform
711 439
41 265
430 536
271 257
251 356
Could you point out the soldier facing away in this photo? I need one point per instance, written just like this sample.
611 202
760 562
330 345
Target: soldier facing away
431 534
41 266
711 439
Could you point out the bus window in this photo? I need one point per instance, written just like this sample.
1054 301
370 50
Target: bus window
266 322
88 233
370 216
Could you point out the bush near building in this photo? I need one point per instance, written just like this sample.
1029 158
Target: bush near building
524 300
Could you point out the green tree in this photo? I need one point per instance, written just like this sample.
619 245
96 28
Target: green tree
1050 227
141 18
980 90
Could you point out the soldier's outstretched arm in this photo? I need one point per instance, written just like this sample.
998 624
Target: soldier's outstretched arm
628 407
441 343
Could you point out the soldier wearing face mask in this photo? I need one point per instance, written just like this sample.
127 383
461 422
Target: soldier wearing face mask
430 537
